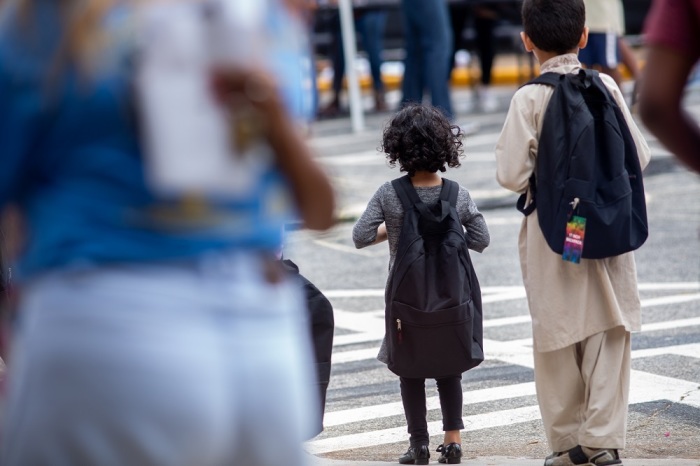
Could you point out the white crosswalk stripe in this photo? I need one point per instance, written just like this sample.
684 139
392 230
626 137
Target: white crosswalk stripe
344 427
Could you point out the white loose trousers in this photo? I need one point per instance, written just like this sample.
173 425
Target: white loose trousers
201 362
583 391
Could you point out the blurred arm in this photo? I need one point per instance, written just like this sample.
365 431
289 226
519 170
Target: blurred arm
311 187
661 96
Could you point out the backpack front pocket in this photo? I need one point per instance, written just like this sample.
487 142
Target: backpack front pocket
430 344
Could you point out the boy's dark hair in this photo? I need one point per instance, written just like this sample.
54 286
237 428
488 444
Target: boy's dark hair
554 25
420 137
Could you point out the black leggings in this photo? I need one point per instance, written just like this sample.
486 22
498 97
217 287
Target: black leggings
414 406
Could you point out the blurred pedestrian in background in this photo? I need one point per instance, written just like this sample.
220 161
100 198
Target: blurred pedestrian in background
606 25
607 47
151 329
428 43
369 23
484 16
672 33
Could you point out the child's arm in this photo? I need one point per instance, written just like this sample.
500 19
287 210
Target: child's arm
369 229
477 233
381 234
517 145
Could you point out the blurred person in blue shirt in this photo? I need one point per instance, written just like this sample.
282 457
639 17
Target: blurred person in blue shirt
151 329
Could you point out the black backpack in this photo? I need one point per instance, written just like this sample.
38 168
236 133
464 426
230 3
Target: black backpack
586 152
433 299
322 322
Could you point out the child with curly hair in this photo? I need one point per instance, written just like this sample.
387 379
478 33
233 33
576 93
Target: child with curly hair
423 142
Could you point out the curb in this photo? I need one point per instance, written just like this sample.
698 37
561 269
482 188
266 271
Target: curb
508 461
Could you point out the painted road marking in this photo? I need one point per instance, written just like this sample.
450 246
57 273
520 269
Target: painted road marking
513 352
365 413
487 394
645 388
369 326
373 292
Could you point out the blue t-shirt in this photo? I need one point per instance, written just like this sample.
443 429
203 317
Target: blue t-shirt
72 163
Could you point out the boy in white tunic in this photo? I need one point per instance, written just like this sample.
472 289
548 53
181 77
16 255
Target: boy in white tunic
582 314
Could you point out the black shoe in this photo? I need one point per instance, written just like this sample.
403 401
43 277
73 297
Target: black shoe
451 453
416 455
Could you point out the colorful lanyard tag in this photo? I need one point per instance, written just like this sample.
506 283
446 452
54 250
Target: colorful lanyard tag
573 242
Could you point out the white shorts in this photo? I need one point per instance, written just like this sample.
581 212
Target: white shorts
203 363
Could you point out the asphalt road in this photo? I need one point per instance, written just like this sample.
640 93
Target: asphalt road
364 419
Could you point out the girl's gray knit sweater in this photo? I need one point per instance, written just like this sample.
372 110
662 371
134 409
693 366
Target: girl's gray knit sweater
385 206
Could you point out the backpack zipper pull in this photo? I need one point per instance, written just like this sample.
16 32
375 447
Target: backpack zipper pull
574 206
398 328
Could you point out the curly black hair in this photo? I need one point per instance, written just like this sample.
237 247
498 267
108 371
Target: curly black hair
421 138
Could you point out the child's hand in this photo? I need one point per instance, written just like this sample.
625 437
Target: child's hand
381 234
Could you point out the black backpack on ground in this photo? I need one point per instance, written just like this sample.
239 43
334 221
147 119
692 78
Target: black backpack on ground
587 165
433 300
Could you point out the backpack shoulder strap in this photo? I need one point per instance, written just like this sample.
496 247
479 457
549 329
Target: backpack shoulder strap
409 197
529 208
596 82
548 79
449 192
584 79
406 192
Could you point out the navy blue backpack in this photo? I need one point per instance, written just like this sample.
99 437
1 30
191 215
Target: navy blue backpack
587 165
